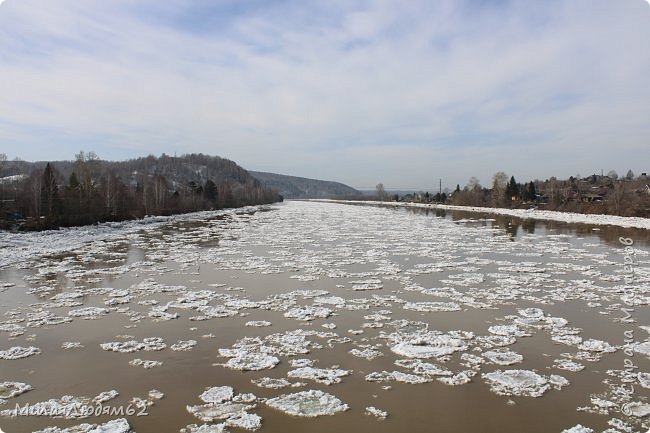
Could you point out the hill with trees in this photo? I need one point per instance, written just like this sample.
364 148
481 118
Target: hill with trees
302 187
89 190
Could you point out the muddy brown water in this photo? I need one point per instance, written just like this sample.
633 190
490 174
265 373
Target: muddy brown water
294 238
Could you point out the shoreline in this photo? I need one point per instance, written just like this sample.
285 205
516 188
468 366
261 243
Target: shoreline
548 215
18 246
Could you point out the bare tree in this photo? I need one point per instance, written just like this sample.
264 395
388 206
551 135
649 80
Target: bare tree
612 174
619 198
87 166
381 193
499 183
3 162
554 190
473 184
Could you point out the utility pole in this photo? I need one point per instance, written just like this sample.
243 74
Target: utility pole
440 186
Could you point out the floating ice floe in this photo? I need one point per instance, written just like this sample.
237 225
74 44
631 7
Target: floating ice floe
503 357
183 345
137 362
637 409
105 396
508 331
222 405
569 340
89 312
644 379
67 345
397 376
12 389
217 394
18 352
366 353
329 300
642 348
148 344
308 313
67 407
13 328
579 428
370 284
430 346
301 362
327 376
522 382
593 345
271 383
568 365
115 426
422 368
308 404
154 394
205 428
252 362
428 307
460 378
258 323
380 414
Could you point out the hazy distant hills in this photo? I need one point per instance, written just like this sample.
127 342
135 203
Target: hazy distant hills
301 187
195 169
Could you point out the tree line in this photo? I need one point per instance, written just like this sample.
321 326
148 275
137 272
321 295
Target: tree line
88 190
627 195
603 194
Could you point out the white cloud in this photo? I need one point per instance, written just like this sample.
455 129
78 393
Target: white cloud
361 94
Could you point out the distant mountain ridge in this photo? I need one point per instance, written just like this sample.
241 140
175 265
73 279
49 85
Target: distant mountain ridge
302 187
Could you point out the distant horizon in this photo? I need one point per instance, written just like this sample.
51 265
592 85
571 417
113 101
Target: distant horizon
446 187
355 93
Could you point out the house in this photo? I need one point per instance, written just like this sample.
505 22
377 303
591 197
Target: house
646 189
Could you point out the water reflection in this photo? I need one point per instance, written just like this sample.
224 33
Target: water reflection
518 227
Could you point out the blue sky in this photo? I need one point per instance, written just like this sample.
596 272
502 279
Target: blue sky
402 93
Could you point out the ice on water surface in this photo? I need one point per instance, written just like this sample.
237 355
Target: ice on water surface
522 382
308 404
367 286
18 352
115 426
12 389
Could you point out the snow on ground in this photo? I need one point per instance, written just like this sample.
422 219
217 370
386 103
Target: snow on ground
568 217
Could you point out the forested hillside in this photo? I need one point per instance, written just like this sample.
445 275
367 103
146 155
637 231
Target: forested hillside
301 187
88 190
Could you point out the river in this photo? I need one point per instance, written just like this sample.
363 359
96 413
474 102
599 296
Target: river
321 317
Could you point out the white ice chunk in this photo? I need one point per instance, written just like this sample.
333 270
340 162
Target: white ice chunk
252 362
503 357
217 394
310 403
18 352
327 376
517 382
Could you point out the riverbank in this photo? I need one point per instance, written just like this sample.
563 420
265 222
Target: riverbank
568 217
15 247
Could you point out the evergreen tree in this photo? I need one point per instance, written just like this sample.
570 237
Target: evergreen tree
210 191
512 190
532 193
49 193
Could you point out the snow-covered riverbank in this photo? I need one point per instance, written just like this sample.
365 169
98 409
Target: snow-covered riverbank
568 217
16 247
